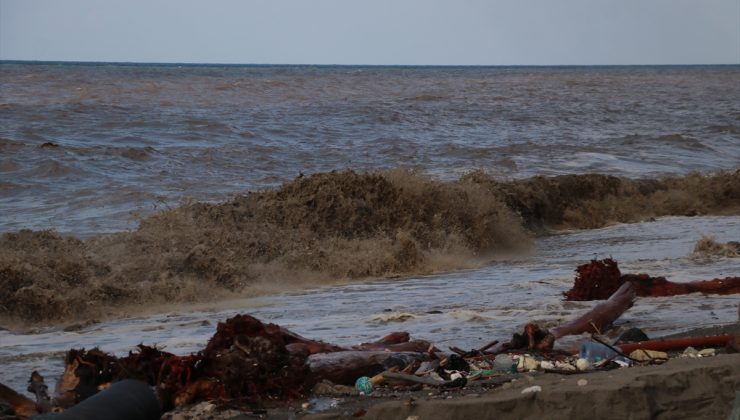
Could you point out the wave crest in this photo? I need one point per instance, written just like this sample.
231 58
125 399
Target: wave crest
326 227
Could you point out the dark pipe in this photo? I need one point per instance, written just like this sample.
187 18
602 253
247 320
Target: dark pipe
124 400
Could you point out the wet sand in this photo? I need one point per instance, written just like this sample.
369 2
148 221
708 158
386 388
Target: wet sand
682 388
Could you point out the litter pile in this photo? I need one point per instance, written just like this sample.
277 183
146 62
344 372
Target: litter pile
253 365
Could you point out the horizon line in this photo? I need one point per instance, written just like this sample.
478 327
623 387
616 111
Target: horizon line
175 63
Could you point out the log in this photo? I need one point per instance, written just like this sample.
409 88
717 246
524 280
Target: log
601 316
22 405
593 321
425 380
345 367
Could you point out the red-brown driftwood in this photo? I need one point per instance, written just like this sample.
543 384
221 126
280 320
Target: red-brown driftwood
676 343
593 321
23 406
601 316
599 279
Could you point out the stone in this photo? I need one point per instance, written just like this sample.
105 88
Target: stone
707 352
582 382
690 352
583 364
532 389
546 364
647 355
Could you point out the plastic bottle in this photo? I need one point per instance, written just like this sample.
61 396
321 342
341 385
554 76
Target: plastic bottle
504 363
595 352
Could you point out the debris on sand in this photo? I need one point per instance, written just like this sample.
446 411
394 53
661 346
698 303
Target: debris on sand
248 364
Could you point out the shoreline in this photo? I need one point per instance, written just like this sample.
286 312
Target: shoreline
702 388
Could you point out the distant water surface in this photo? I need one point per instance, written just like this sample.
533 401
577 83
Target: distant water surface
87 149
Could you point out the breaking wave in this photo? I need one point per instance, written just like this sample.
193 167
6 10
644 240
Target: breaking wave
323 228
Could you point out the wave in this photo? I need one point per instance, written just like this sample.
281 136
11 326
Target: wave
326 227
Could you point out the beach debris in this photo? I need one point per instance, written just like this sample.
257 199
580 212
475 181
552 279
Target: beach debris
504 363
690 352
264 365
594 352
20 405
329 388
632 335
677 343
37 387
597 319
364 385
532 389
707 352
527 363
599 279
642 355
582 364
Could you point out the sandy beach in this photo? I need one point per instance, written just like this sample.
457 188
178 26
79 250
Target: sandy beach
705 388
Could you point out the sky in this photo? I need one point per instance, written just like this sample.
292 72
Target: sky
376 32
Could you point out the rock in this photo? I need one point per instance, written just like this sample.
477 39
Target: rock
734 345
546 364
565 366
328 388
690 352
531 389
582 382
707 352
632 335
583 364
647 355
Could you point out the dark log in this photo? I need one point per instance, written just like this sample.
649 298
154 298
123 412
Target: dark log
346 366
593 321
418 346
39 388
22 405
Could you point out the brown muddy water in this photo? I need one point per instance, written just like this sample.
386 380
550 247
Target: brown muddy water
348 202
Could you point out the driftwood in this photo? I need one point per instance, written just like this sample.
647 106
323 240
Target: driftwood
676 343
601 316
261 364
593 321
22 405
346 366
599 279
39 388
255 363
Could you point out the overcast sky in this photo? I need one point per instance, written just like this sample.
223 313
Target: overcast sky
540 32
